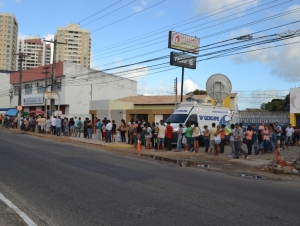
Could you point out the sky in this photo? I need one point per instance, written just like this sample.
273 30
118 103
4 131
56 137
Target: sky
132 34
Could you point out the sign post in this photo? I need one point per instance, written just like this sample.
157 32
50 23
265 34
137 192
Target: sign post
187 44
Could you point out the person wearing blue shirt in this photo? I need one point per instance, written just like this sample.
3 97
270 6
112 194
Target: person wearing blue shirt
58 126
98 128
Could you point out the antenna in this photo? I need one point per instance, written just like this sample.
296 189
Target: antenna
218 87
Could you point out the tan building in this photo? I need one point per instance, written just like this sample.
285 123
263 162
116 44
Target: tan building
8 41
38 52
78 47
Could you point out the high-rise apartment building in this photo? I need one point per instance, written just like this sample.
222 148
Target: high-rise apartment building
8 41
78 47
37 52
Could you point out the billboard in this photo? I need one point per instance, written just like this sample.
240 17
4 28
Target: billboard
184 42
182 60
295 100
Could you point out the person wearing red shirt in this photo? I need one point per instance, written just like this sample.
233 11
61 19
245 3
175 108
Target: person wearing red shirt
169 136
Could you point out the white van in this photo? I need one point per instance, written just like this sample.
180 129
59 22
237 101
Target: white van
191 112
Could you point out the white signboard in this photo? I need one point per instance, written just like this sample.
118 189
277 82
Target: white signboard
49 95
33 100
184 42
295 100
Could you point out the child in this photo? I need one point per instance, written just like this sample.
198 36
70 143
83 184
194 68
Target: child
260 142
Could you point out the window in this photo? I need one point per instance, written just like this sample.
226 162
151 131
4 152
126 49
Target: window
41 88
58 85
16 90
28 89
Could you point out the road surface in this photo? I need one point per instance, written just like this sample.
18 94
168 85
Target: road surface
63 184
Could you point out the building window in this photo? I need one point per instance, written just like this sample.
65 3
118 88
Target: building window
16 90
41 89
28 89
58 85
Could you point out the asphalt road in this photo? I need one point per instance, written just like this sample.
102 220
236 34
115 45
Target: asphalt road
61 184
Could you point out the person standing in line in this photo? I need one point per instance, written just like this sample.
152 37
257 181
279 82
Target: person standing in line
78 128
179 140
239 135
98 129
15 122
39 123
48 126
162 130
58 126
278 131
217 140
134 133
249 134
212 142
130 128
206 138
43 124
195 137
53 125
113 131
89 127
260 142
254 139
95 126
122 130
169 133
103 130
108 131
75 126
231 140
289 135
188 137
266 134
72 127
1 121
85 128
148 136
222 135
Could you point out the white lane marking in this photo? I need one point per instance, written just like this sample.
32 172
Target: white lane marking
27 220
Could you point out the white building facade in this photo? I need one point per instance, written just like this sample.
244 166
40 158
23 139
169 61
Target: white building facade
76 86
37 52
5 89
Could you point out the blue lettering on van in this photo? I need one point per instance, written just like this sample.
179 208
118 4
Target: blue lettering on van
181 111
209 118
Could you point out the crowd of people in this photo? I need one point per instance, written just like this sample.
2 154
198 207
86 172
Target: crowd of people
159 135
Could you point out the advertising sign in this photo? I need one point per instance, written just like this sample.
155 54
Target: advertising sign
184 42
33 100
295 100
182 60
51 95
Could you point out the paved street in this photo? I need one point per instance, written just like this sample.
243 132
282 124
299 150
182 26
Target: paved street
61 184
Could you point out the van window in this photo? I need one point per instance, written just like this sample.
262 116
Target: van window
192 119
177 118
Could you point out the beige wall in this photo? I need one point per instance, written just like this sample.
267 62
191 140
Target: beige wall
171 107
8 41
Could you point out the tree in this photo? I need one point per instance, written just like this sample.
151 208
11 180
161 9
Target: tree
198 92
276 104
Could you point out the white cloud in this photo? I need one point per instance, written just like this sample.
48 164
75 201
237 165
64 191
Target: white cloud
137 9
144 2
293 16
205 6
283 61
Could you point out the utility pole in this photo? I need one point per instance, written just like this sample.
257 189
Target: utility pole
52 101
175 90
46 86
21 59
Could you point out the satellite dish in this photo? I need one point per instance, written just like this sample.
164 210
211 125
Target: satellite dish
218 87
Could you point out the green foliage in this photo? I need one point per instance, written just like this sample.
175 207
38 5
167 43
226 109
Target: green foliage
198 92
276 104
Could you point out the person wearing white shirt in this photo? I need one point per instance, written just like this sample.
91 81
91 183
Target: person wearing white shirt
289 135
108 131
53 125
